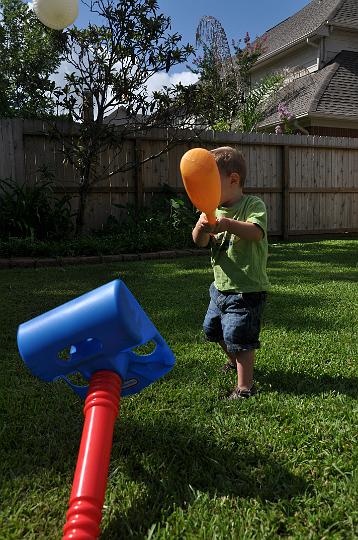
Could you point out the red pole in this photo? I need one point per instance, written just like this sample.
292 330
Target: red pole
89 485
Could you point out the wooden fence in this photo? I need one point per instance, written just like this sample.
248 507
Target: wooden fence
309 183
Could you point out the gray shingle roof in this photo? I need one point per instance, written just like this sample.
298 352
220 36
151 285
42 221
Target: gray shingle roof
347 14
332 90
305 22
340 97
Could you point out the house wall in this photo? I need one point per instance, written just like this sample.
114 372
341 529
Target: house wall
339 40
325 127
332 127
325 131
305 58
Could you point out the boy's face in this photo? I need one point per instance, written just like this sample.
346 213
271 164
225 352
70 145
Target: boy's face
230 188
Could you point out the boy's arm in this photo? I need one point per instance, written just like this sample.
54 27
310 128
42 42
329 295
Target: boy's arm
201 232
243 229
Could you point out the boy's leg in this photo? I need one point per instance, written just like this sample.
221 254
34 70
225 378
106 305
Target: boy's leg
231 363
245 369
244 361
241 329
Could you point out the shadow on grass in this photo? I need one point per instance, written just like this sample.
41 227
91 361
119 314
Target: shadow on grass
332 253
302 312
175 462
302 384
169 460
325 262
159 287
280 275
285 382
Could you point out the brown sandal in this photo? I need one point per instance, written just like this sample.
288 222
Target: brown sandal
228 367
242 394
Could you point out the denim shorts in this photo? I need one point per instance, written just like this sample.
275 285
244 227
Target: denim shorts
234 318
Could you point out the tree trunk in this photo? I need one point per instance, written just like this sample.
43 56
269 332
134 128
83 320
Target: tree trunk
83 193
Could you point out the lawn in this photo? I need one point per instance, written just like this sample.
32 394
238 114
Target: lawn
187 464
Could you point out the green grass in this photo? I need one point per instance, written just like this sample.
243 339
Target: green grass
186 464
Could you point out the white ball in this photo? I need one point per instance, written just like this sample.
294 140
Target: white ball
56 14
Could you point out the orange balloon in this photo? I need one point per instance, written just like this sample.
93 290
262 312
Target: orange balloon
201 180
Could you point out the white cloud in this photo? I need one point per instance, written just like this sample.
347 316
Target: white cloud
158 80
59 77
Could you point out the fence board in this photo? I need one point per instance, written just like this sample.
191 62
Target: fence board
122 179
7 164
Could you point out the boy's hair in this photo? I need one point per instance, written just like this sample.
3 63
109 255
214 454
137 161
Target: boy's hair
229 160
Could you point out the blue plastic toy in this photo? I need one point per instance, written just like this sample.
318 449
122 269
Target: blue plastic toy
99 331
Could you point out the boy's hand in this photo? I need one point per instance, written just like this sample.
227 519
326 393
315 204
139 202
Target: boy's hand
204 226
221 225
203 229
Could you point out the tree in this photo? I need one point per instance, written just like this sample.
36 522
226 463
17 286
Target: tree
218 87
225 99
257 102
112 64
29 53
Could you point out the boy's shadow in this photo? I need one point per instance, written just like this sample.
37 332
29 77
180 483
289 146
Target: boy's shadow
301 383
175 464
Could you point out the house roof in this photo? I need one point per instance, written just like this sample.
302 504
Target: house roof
306 21
347 14
331 91
121 117
341 94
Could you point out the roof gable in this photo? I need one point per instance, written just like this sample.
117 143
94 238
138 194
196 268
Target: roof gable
304 23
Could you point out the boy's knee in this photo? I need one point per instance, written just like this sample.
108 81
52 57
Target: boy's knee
212 333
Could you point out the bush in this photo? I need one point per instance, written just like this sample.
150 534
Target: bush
33 211
167 225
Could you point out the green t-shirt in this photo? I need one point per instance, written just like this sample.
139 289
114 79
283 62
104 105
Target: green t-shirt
240 265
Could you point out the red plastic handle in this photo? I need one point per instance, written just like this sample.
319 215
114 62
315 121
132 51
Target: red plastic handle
89 485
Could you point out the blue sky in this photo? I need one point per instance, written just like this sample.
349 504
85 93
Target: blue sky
236 16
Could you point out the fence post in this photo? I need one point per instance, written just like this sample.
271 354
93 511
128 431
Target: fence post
285 191
138 175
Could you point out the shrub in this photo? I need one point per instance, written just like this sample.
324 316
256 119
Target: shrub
166 225
33 211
